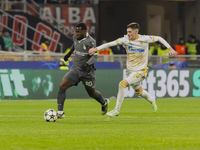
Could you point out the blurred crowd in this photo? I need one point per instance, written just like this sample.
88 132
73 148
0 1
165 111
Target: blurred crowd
189 47
64 1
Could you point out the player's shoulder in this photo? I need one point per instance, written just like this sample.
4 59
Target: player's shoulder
90 41
90 38
145 37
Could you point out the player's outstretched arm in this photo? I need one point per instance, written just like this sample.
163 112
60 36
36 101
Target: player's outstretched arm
172 52
106 45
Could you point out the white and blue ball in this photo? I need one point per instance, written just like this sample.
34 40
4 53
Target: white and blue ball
50 115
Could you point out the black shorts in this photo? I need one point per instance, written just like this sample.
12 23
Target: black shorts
75 76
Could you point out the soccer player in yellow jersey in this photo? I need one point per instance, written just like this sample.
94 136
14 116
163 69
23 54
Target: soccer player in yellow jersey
137 47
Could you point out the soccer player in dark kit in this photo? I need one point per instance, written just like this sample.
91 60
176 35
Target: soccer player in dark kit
82 70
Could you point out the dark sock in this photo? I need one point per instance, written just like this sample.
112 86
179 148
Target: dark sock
99 97
61 99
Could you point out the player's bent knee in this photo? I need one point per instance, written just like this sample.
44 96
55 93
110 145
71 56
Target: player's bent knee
65 84
123 84
62 87
139 91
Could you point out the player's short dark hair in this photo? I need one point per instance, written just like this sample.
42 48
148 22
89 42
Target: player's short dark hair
133 25
82 26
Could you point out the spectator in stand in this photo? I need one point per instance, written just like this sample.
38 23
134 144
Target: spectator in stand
2 44
172 65
119 49
192 46
164 52
105 51
44 46
181 47
153 48
198 47
8 42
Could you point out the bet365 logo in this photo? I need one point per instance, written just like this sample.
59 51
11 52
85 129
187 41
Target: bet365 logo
170 83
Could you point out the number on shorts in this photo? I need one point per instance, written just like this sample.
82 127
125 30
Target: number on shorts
88 83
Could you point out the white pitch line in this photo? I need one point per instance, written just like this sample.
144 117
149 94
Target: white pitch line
97 116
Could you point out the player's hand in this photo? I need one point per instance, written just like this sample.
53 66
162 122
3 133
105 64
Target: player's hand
66 63
92 51
172 52
66 58
84 67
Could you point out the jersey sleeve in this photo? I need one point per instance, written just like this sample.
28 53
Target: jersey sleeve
149 38
120 41
106 45
69 53
92 59
163 41
152 39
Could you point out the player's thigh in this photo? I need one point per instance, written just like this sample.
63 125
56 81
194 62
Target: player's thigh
135 78
65 84
72 76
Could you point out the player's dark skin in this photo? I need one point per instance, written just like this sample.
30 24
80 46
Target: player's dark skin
65 83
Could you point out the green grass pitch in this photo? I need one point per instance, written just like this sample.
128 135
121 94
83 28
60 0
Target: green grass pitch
175 126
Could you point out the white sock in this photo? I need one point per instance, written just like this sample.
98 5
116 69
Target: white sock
60 112
147 96
120 98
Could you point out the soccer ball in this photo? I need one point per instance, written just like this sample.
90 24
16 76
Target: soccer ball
50 115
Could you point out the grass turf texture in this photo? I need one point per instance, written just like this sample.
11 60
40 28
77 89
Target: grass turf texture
176 125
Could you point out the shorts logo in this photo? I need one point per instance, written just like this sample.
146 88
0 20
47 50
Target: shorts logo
137 75
88 83
84 47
